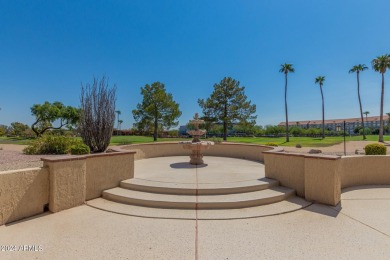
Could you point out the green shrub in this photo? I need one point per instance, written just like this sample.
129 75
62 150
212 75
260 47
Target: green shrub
79 149
216 140
52 144
125 142
270 144
375 149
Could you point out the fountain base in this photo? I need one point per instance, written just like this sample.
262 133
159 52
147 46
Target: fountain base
196 157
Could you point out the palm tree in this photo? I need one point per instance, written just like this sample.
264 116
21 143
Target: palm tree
366 113
320 80
120 124
286 68
118 113
358 68
381 64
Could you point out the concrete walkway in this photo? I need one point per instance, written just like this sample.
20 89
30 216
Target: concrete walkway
359 228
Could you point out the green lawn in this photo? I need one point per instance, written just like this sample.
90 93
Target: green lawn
14 140
304 141
132 139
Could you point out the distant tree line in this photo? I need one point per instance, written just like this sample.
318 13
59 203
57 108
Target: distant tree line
226 110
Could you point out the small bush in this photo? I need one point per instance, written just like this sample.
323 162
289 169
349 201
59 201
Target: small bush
375 149
52 144
270 144
216 140
125 142
79 149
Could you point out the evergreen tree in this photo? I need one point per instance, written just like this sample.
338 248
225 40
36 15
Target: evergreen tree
157 108
228 105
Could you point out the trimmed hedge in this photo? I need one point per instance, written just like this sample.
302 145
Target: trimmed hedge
375 149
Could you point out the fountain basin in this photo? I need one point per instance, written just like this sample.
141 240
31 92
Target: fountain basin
203 145
196 156
196 132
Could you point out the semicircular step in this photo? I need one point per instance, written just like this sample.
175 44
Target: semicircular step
286 206
226 201
200 189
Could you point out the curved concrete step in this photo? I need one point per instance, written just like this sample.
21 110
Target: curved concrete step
286 206
229 201
202 189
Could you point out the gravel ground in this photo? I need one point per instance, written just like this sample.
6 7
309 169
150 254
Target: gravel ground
12 158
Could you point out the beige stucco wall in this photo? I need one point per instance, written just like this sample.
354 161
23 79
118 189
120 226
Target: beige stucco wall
64 182
252 152
322 180
23 193
288 170
152 150
67 183
105 172
234 150
365 170
314 177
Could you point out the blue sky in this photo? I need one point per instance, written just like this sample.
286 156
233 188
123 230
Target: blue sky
48 48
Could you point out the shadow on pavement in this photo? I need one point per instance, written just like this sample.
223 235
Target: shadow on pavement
186 165
331 211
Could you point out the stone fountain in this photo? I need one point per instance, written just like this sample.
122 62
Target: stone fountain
196 146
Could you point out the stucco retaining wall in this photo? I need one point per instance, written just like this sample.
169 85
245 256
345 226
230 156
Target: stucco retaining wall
106 172
287 169
365 170
152 150
322 181
23 193
89 176
67 183
320 178
314 177
64 182
233 150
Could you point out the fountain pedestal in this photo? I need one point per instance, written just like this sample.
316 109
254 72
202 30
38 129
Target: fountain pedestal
196 146
196 157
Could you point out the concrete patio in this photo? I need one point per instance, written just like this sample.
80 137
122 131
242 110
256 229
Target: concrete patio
359 228
288 227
